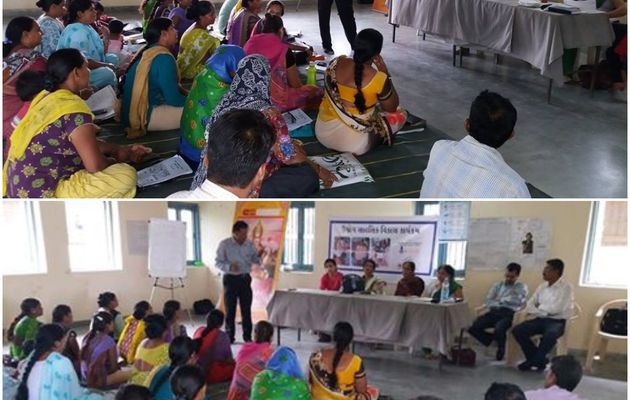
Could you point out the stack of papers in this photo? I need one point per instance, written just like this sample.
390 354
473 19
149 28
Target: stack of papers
563 9
163 171
101 103
345 167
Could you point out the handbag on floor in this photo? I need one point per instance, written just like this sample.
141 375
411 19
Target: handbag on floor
615 322
463 356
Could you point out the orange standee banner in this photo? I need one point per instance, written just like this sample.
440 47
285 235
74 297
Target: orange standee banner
380 6
267 221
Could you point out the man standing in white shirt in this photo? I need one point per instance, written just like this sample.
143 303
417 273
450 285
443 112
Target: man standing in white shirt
551 306
562 376
235 257
239 143
473 167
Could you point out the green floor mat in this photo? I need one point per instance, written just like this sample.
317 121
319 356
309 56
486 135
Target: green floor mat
397 170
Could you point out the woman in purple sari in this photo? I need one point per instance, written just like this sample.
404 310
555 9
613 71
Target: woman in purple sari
99 355
242 24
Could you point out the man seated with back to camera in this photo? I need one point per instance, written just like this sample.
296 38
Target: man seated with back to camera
239 143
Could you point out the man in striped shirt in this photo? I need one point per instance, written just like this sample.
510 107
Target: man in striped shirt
473 167
503 300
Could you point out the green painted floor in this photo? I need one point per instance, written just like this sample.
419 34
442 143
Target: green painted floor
397 170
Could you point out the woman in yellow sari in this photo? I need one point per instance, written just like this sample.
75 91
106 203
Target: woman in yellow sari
54 151
197 44
360 107
337 374
152 352
133 331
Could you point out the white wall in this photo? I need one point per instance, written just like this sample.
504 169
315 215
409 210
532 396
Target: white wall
569 225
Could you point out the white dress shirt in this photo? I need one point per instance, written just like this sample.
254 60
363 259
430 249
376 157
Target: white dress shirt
551 393
555 301
469 169
207 190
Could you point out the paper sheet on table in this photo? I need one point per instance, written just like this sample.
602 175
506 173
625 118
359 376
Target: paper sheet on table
163 171
346 168
296 119
102 101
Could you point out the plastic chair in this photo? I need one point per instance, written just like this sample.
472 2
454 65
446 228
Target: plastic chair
599 339
514 350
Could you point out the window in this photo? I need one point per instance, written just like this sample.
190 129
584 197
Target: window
299 237
93 236
188 213
22 239
452 252
607 245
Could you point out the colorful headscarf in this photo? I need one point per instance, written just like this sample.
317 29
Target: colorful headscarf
285 361
224 61
249 91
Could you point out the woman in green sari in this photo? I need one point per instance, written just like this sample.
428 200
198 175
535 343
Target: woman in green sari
282 378
207 90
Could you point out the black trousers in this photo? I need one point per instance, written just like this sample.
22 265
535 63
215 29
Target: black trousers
499 318
346 14
238 288
294 181
550 329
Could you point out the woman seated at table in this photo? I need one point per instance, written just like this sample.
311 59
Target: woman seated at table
251 360
287 91
336 373
54 151
356 90
80 35
196 44
215 353
99 355
289 173
282 378
332 279
22 37
152 99
410 284
206 92
152 351
373 285
445 274
242 23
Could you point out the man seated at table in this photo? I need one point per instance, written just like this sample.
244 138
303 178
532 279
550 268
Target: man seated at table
473 167
562 376
551 306
503 300
410 284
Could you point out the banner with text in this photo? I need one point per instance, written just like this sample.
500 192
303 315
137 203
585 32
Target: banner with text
388 241
266 220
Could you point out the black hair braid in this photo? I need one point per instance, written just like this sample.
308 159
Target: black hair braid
359 99
22 391
11 331
339 349
46 337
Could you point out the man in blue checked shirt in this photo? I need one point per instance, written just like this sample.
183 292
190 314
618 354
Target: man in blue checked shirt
503 300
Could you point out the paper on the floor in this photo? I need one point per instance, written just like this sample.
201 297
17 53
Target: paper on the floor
163 171
296 119
346 168
101 103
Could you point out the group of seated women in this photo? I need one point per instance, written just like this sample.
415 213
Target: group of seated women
183 78
153 358
408 285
